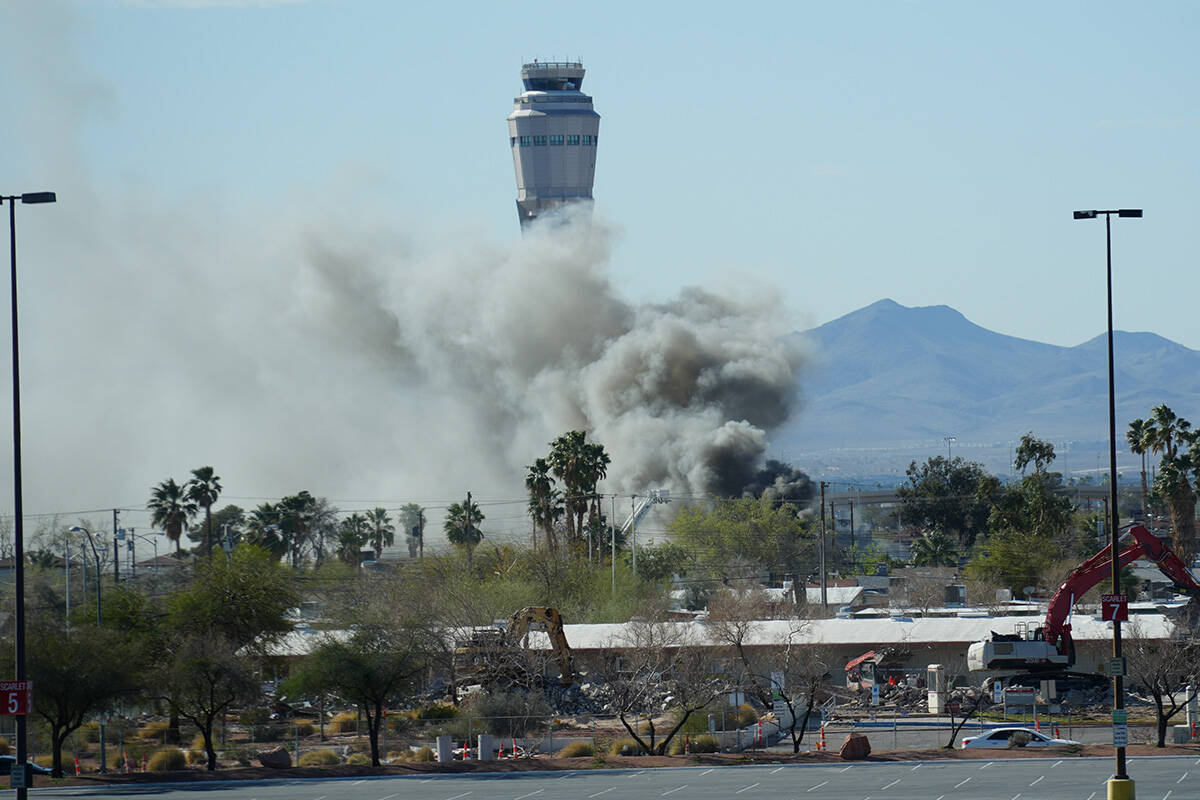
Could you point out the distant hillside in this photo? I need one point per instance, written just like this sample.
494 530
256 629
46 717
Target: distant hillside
887 377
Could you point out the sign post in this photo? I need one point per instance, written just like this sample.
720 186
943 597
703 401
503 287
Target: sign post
16 698
1114 607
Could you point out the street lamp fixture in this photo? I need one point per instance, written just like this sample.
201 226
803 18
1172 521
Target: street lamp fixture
1120 786
18 511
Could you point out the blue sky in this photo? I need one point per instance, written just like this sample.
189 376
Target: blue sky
830 154
845 152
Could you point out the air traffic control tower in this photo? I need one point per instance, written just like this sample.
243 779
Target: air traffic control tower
553 132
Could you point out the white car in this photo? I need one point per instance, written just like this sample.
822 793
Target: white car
999 737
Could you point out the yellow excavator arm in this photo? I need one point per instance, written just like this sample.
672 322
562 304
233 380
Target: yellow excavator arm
551 620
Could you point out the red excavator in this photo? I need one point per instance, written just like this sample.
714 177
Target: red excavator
1050 648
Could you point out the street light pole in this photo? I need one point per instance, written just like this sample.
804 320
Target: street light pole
18 510
1120 786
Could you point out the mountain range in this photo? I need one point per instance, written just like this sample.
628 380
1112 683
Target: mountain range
891 379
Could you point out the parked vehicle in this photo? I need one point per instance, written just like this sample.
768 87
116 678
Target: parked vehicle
8 762
1002 737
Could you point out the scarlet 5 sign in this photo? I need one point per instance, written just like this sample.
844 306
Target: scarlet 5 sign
16 698
1114 607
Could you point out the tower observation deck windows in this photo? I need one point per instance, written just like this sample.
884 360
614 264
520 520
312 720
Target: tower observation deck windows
556 139
526 141
573 138
539 141
590 141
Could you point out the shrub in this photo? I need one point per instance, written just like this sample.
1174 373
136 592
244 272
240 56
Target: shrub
422 754
305 728
255 716
509 714
359 758
240 754
438 711
345 722
625 747
5 746
153 731
746 715
166 760
197 756
1020 739
318 758
577 749
44 761
705 744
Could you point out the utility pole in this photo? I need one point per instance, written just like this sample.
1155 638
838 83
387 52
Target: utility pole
633 529
824 591
116 553
612 536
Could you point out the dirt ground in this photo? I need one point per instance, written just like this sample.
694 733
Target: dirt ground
605 762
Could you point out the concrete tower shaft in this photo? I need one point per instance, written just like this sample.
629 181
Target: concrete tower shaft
554 134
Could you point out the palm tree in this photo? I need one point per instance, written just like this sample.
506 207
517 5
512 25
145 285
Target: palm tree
580 465
1169 434
203 489
263 530
353 533
383 533
170 509
414 528
460 525
1139 444
545 501
934 549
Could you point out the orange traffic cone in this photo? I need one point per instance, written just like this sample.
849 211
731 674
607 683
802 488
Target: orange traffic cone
687 744
76 766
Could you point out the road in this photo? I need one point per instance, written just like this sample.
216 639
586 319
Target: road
1157 778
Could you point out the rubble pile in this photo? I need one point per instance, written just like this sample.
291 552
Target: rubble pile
576 699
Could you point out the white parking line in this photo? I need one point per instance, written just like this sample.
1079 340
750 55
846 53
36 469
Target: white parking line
356 783
1016 796
818 786
634 775
779 769
597 794
985 766
960 783
531 794
1038 780
388 797
748 788
1181 777
914 769
847 769
940 796
1090 796
702 774
1168 794
568 775
455 797
890 785
676 789
1055 764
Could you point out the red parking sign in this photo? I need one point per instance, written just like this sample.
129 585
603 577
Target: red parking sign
16 698
1114 607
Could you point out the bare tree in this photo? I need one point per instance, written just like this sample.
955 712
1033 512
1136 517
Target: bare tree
655 668
790 672
1164 668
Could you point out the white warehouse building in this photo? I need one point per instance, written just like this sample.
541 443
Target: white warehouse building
553 132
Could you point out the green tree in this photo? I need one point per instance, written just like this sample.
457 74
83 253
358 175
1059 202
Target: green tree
353 535
580 465
934 549
462 525
264 529
734 539
383 532
412 516
203 489
77 673
202 679
244 599
545 501
170 509
1139 445
1172 437
954 496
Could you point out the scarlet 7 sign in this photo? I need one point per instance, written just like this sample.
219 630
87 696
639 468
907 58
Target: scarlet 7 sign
1114 607
16 698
